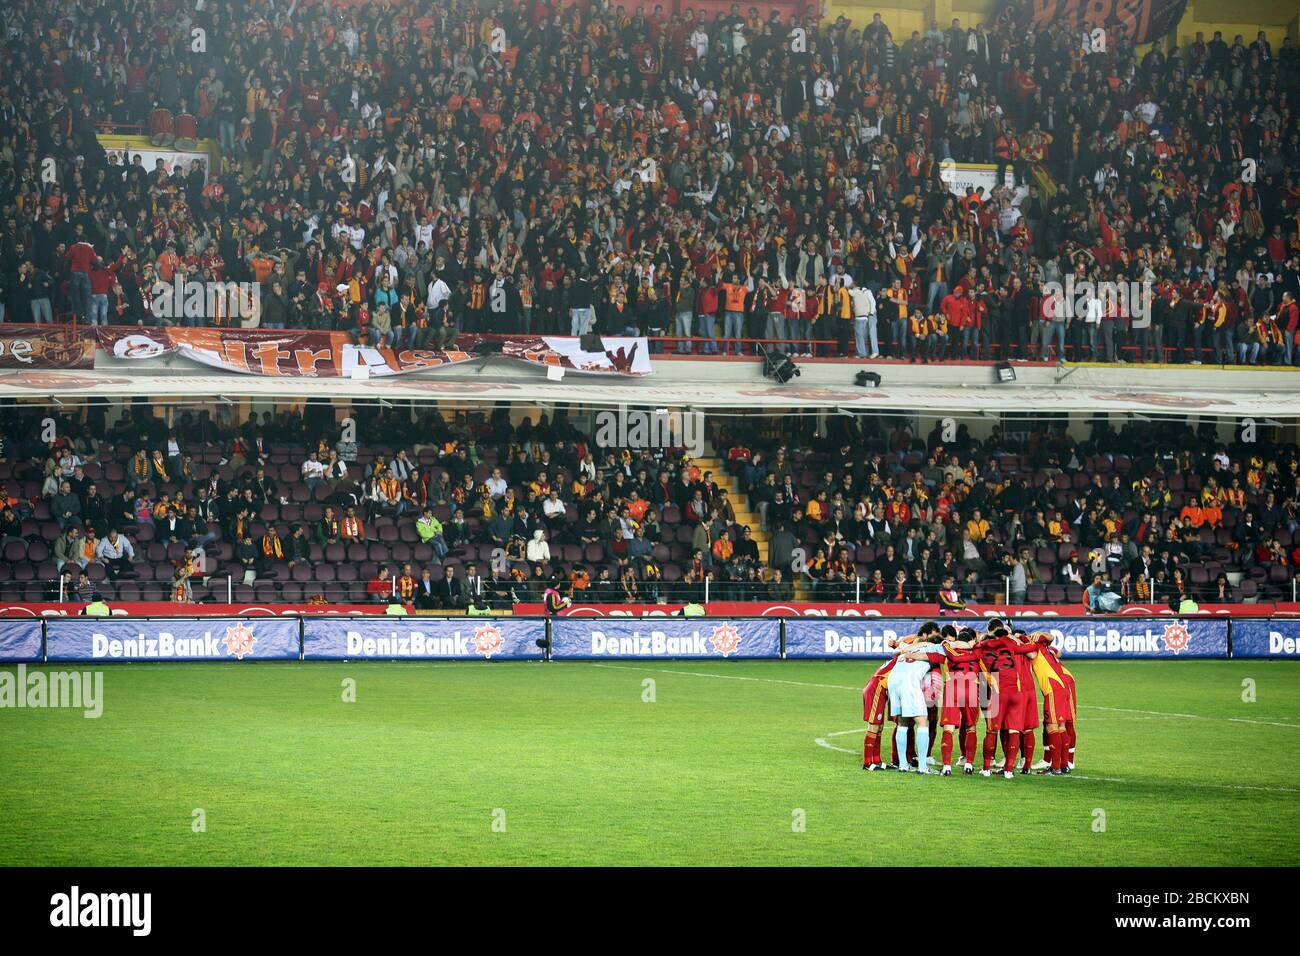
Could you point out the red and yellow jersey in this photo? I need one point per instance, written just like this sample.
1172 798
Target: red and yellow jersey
1025 665
477 295
961 662
1046 676
882 673
1055 660
1003 658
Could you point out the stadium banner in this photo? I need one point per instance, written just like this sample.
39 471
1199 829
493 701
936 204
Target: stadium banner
617 355
862 638
121 151
292 353
20 640
613 638
170 609
827 609
1078 637
1261 638
147 639
46 346
960 178
1180 638
273 352
1140 21
423 638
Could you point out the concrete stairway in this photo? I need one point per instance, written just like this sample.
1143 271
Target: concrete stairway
739 501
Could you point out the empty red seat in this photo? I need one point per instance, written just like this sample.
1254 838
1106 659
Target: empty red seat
162 127
185 130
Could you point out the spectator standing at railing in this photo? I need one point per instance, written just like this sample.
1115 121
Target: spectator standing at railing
81 257
1177 324
1288 322
1221 326
1092 321
35 290
775 301
275 307
684 312
1050 324
707 301
864 322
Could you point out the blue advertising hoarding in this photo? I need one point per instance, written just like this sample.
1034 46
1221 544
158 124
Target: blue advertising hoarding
423 638
1274 637
849 637
607 638
171 639
20 639
1148 637
503 638
1108 637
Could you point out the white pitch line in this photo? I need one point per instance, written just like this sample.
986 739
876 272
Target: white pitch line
1196 783
772 680
823 742
1160 713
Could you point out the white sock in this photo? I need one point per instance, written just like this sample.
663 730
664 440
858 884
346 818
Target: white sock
922 745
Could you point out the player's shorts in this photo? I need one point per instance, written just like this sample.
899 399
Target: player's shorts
906 700
1058 706
960 701
1012 709
932 688
994 708
1053 706
874 697
1029 714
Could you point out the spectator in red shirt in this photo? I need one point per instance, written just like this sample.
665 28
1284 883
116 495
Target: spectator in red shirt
102 279
1288 321
706 309
380 587
81 257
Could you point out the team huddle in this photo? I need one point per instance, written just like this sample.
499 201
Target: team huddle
951 677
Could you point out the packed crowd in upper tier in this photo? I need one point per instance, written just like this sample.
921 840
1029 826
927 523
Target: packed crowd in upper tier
406 172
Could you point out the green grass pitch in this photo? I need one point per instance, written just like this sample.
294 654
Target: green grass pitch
566 763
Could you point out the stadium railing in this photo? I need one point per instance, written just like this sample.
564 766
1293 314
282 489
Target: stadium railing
722 347
227 589
296 635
